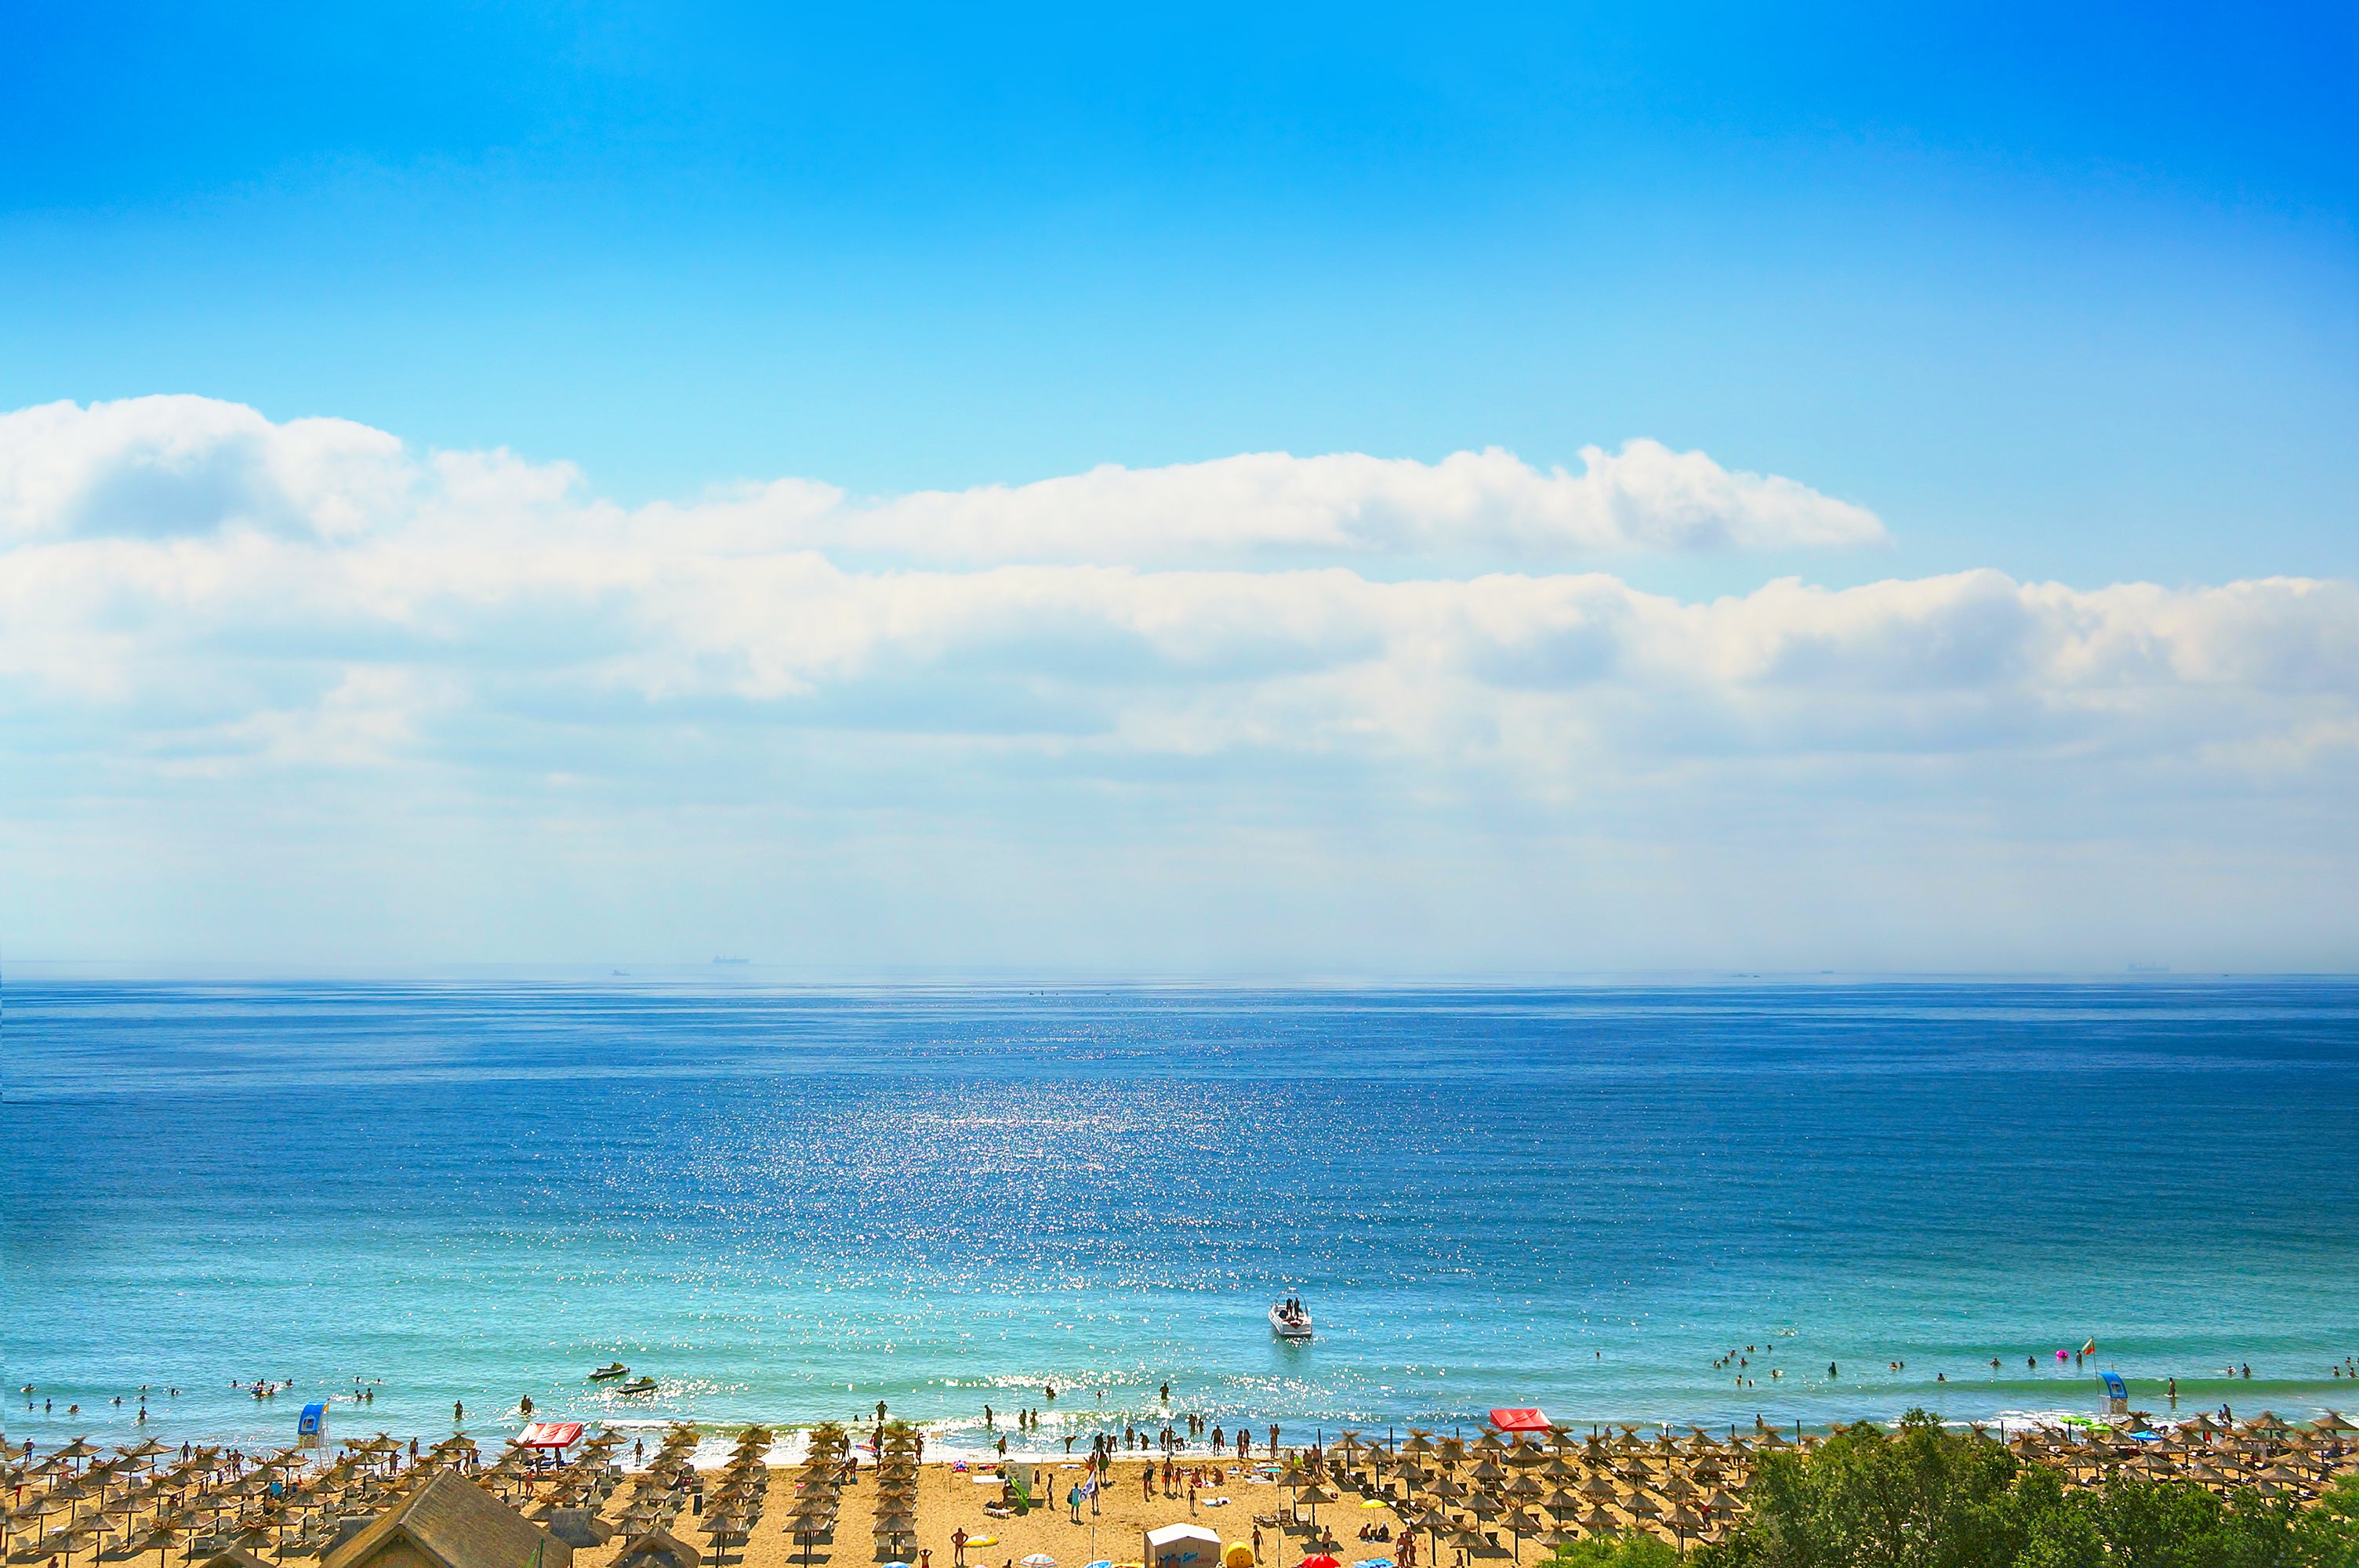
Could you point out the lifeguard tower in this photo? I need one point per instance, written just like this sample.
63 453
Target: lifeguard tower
2118 1393
312 1426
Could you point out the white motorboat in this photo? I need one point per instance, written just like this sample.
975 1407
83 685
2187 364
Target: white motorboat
1290 1319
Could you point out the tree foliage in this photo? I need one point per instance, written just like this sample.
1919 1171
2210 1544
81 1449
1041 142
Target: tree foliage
1923 1496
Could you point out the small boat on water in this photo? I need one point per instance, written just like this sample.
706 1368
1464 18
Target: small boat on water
612 1369
1290 1319
637 1386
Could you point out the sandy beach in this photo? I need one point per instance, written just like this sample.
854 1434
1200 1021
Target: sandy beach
950 1498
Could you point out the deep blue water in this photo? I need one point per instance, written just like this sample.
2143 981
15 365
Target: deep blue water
787 1205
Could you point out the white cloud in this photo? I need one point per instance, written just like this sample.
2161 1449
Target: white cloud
153 467
193 597
159 467
1353 507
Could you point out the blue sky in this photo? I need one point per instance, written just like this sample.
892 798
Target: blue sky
2071 297
2069 294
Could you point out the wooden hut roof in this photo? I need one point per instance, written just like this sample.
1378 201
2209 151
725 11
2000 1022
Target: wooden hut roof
657 1548
454 1523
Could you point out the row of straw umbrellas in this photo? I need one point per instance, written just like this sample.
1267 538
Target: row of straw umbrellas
735 1503
1490 1496
80 1500
2266 1454
1486 1496
1493 1494
818 1486
896 1524
654 1497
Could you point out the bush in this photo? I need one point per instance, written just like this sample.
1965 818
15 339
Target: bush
2329 1533
1627 1552
1926 1497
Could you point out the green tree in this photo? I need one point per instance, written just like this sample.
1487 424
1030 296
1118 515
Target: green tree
1925 1497
1627 1551
1918 1497
2176 1524
2327 1534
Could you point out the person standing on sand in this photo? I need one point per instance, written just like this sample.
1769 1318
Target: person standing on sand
957 1549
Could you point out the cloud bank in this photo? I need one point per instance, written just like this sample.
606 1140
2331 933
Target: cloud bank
195 599
153 467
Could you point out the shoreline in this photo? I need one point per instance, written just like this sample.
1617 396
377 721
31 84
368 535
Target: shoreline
955 1438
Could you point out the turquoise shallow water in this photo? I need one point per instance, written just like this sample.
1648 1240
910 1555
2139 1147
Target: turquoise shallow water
787 1205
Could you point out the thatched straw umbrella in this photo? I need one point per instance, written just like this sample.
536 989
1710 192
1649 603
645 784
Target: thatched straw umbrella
1469 1540
1521 1524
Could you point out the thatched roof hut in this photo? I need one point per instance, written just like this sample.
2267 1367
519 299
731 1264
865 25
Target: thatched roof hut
451 1523
657 1548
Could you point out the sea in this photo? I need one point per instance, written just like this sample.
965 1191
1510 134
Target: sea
1715 1203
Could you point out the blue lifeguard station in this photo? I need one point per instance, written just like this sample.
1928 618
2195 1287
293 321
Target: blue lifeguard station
2118 1393
312 1426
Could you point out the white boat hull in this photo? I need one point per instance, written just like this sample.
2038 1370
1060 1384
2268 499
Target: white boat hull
1287 1327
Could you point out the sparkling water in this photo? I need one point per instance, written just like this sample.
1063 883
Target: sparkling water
787 1204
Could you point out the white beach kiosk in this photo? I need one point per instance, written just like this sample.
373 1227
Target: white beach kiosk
1182 1546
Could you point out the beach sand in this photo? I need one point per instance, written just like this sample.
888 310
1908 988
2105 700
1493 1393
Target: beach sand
950 1500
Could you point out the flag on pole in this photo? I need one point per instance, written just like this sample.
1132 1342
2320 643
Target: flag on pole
2089 1348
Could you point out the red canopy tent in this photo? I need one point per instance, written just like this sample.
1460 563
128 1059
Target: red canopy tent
551 1434
1519 1421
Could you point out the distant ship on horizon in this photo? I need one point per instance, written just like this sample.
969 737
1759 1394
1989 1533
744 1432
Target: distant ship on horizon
732 961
